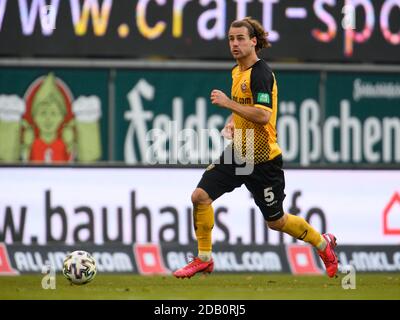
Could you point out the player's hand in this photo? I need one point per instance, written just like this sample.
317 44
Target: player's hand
219 98
229 129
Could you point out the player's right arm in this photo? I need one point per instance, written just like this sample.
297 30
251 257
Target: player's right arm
251 113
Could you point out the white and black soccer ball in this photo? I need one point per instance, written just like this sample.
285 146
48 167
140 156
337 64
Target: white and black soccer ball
79 267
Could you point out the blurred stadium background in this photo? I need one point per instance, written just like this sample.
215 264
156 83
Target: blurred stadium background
106 127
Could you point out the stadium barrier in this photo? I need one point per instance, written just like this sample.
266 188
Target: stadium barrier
162 259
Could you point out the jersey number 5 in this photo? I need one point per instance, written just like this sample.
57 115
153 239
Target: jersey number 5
269 195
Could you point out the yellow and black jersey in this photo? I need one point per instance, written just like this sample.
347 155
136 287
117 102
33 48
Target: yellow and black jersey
256 88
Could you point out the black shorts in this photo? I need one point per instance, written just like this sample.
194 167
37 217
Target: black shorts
266 183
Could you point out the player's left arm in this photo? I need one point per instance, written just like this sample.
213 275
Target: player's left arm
261 85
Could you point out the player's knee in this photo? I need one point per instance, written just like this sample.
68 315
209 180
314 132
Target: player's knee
277 224
199 196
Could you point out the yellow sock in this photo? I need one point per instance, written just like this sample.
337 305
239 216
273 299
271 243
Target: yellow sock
298 228
203 224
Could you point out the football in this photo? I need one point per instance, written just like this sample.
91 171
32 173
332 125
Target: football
79 267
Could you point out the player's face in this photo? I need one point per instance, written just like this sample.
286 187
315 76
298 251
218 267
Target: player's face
240 43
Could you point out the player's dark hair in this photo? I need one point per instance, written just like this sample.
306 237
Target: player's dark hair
255 29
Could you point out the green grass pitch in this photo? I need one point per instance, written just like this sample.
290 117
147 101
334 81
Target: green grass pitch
215 286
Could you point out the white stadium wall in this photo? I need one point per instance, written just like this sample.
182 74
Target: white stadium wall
141 205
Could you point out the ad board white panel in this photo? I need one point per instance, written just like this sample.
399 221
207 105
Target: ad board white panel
38 205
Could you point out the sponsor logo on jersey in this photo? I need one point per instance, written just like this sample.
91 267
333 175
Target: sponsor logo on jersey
263 97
